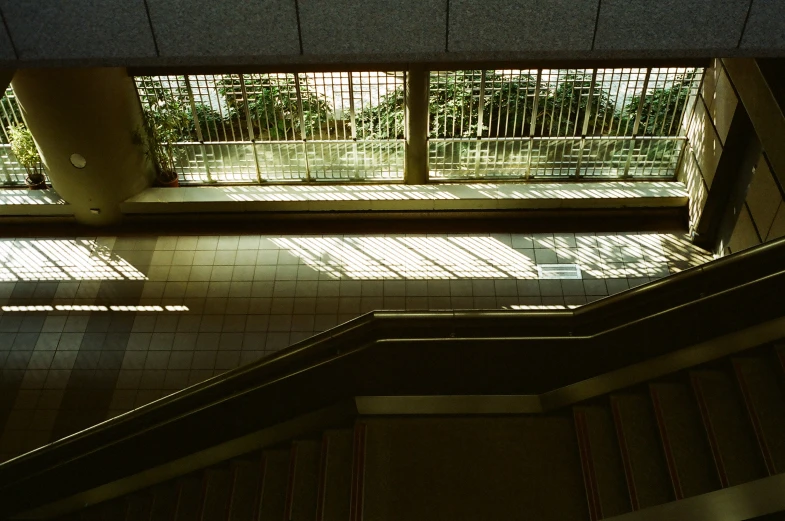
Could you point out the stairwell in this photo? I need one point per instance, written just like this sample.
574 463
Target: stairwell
706 428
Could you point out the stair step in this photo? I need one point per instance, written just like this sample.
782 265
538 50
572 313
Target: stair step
218 493
606 460
246 488
274 485
139 507
190 498
106 511
303 481
337 475
727 424
765 403
684 441
641 447
164 502
472 468
779 362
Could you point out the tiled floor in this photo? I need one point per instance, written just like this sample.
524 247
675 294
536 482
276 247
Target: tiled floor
213 303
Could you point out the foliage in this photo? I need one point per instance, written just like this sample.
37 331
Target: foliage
272 105
454 108
23 147
518 94
566 108
455 104
168 120
10 114
384 120
662 108
211 123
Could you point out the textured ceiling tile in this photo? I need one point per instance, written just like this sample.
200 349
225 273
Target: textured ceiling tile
373 26
521 25
766 26
670 24
74 29
225 28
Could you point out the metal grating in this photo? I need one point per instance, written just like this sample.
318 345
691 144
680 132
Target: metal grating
251 128
559 123
484 124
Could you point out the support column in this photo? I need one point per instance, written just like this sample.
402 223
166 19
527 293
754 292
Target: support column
416 169
84 121
766 114
5 79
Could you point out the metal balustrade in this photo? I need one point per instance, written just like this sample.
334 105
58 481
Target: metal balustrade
559 123
247 128
484 124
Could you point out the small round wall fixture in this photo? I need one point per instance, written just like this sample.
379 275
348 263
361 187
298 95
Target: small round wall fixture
78 160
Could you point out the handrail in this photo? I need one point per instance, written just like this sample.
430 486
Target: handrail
333 364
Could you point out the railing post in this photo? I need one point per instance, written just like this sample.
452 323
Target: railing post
533 123
353 122
637 124
303 135
585 128
198 127
416 166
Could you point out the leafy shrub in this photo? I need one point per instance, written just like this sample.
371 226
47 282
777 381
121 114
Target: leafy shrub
454 108
662 108
23 147
384 120
272 105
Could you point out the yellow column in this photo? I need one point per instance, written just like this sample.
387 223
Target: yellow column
84 121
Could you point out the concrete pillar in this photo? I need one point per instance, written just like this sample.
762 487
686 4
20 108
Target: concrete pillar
90 114
760 102
416 169
5 79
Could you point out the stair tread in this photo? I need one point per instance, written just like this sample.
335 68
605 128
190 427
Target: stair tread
246 488
647 462
218 492
606 459
164 502
416 468
686 438
189 498
274 484
305 481
337 475
730 424
139 507
768 403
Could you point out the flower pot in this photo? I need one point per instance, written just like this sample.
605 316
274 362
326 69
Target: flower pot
167 180
32 185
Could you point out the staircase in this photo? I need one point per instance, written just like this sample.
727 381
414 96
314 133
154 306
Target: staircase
709 427
663 402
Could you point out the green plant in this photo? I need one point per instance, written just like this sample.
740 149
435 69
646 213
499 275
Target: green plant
384 120
507 106
271 102
167 121
575 98
23 147
662 108
10 114
517 93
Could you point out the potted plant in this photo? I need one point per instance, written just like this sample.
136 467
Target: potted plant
23 147
161 132
166 120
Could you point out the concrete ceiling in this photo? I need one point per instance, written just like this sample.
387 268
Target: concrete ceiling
235 32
